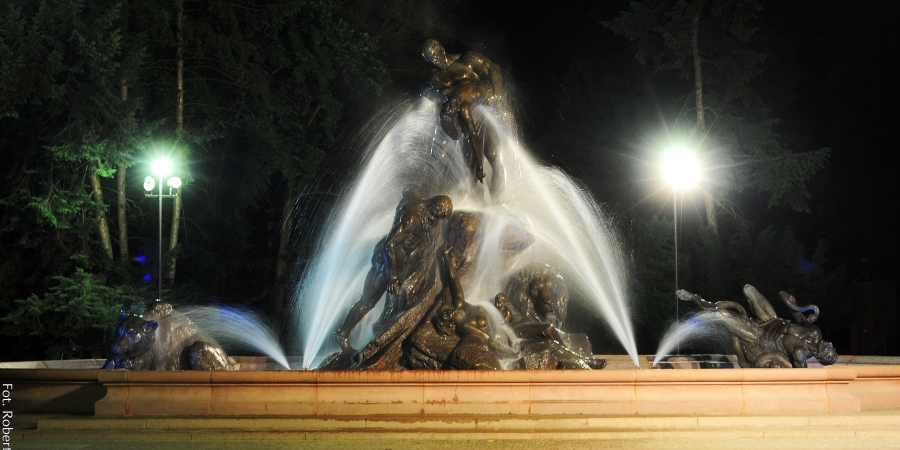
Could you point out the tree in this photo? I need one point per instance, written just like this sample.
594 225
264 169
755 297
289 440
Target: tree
711 42
62 75
76 308
265 88
89 88
179 156
65 129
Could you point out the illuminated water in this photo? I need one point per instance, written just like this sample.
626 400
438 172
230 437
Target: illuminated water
236 328
705 326
570 229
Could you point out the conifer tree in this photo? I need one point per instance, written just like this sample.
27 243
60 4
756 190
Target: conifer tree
712 43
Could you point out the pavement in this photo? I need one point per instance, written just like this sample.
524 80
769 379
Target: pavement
868 429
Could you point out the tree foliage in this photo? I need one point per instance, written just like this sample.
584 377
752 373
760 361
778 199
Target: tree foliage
73 306
89 86
741 145
62 124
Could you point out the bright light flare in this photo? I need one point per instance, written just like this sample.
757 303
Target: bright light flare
162 167
681 168
174 182
149 183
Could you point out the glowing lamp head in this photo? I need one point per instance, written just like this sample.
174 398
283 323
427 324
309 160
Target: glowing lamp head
174 182
162 167
681 168
149 183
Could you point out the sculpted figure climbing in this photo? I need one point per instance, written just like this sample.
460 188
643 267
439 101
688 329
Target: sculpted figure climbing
400 261
466 81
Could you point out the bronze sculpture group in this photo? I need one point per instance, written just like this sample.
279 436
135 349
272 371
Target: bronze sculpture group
164 339
428 324
420 266
767 340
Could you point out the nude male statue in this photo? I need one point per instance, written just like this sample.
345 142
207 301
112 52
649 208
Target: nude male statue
466 80
415 224
469 322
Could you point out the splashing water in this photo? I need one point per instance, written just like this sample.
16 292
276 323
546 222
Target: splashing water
571 231
485 281
237 328
701 327
335 279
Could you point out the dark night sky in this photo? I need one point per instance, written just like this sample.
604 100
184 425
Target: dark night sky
535 43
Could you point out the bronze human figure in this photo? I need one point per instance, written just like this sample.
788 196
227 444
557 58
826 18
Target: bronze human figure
457 334
373 288
535 309
767 340
466 80
436 328
474 350
414 223
399 260
540 294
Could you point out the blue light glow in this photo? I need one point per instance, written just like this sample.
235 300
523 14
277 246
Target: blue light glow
804 266
147 278
141 259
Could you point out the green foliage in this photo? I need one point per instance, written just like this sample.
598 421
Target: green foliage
62 118
774 260
76 307
269 86
787 176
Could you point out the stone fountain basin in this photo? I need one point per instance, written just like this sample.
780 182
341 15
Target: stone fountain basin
838 388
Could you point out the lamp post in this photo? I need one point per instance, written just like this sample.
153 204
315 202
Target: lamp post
161 167
681 171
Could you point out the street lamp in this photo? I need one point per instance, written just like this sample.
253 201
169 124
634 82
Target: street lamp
161 167
681 171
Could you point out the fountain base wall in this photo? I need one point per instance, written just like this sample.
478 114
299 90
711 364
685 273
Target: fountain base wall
436 393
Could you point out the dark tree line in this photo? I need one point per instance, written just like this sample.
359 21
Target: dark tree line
786 116
248 100
259 103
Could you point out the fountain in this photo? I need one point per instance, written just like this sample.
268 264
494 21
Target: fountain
460 275
761 340
693 329
238 329
456 261
464 276
531 214
164 339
